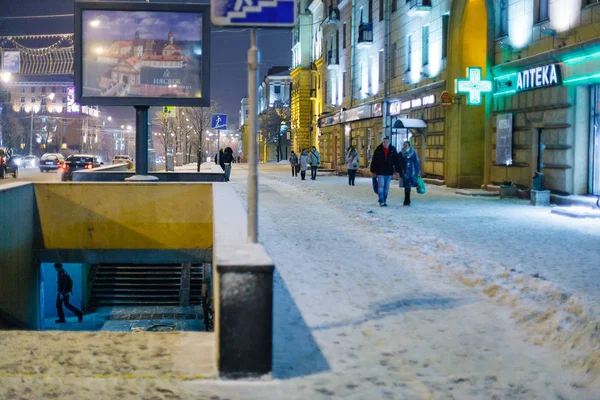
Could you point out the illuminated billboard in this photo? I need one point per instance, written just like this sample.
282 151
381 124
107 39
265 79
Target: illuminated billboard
142 54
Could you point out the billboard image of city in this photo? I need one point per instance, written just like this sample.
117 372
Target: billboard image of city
141 54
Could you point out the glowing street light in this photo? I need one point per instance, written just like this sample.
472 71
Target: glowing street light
109 118
95 23
51 96
5 76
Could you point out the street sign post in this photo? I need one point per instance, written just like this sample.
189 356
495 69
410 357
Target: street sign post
218 122
254 14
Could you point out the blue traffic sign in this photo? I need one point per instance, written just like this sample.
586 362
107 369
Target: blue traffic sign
218 121
253 13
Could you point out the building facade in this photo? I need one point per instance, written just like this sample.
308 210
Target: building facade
274 93
53 122
502 90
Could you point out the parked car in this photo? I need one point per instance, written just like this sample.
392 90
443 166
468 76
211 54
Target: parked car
51 161
77 162
31 161
7 165
123 158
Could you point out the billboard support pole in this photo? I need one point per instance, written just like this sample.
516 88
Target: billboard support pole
253 56
141 146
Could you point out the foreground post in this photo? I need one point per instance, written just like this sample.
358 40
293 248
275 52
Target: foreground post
141 145
252 145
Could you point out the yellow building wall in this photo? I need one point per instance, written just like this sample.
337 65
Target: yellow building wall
117 216
301 108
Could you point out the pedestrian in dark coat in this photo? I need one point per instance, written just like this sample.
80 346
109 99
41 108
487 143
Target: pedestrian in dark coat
294 163
221 162
383 164
227 159
410 169
65 289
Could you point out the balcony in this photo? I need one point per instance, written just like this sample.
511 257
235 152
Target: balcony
333 16
419 7
333 59
365 35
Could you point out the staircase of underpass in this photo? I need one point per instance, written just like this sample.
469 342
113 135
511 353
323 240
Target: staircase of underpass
143 285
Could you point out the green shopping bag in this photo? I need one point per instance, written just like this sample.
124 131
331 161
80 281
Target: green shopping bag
420 185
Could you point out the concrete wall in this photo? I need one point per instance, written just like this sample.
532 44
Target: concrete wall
120 176
242 291
105 216
19 273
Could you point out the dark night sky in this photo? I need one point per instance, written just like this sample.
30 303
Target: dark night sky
229 48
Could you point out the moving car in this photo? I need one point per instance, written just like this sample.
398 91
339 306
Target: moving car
7 165
77 162
51 161
31 161
123 159
18 160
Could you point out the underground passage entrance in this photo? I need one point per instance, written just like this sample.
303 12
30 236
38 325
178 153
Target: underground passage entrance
129 297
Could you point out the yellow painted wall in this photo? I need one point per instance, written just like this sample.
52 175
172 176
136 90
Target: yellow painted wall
125 216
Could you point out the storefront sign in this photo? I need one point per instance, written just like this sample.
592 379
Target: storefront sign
504 139
534 78
446 100
398 106
329 120
473 86
376 110
357 113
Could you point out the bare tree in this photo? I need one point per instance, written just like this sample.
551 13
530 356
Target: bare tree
274 123
164 122
199 120
12 130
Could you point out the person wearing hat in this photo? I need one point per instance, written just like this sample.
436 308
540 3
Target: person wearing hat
65 290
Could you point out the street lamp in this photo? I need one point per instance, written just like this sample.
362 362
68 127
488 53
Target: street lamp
5 76
51 96
109 118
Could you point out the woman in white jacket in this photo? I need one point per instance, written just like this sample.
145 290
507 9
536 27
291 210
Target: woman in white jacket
303 164
352 160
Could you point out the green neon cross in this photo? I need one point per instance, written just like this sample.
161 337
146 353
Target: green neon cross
473 86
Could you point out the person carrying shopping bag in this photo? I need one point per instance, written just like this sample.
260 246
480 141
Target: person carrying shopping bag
410 169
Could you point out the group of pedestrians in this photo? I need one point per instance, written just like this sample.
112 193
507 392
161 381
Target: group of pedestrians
387 161
307 159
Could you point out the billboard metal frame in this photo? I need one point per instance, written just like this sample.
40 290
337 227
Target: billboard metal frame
203 101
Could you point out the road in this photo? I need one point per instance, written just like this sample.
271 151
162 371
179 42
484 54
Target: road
32 175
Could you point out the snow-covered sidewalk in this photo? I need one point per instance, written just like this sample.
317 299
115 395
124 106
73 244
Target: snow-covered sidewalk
421 302
375 303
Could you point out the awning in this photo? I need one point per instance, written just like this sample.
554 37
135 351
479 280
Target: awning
408 123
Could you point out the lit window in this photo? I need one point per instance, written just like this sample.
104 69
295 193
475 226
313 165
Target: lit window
408 52
541 10
425 31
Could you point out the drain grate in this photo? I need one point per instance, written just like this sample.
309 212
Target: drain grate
142 317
